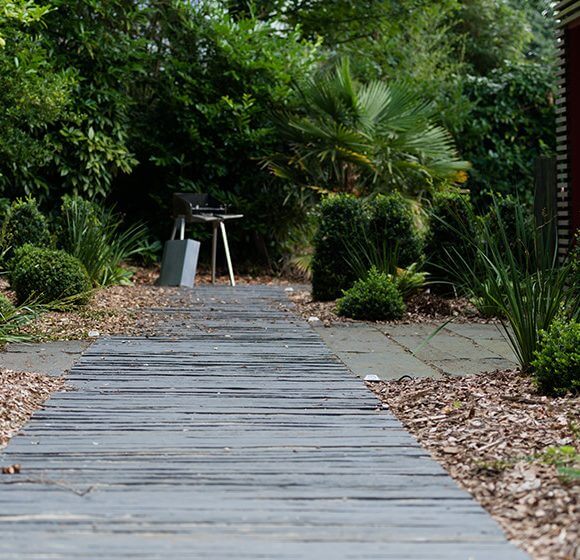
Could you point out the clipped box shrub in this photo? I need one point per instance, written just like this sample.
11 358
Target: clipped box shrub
556 367
48 275
24 224
6 307
373 298
390 223
452 230
341 218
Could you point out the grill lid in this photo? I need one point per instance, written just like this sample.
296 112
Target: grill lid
188 204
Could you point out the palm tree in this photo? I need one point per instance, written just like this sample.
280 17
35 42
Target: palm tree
353 137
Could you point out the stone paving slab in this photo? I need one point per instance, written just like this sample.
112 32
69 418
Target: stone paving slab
367 351
237 434
50 358
391 351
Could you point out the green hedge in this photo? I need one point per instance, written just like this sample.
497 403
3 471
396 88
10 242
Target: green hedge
352 229
390 221
452 228
48 275
341 217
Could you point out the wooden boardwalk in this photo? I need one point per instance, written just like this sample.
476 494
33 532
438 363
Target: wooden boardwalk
234 435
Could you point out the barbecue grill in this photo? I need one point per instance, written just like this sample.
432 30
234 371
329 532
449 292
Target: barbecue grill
196 208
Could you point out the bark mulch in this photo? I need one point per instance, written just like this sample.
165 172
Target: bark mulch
123 309
424 307
515 451
20 395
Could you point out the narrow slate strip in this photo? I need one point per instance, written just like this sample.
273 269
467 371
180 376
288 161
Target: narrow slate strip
234 434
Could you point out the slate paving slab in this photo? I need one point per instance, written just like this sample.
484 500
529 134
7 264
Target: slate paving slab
235 434
391 351
50 358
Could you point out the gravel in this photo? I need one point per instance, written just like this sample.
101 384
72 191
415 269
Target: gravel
515 451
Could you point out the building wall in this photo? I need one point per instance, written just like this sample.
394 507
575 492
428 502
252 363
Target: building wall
568 121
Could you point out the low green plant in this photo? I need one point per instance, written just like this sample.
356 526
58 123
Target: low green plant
364 255
93 235
556 366
523 280
372 298
48 276
566 459
24 223
410 280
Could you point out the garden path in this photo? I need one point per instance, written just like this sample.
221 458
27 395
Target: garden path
236 433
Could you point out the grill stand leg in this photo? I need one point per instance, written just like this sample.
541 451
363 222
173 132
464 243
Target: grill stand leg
228 257
182 229
174 232
214 251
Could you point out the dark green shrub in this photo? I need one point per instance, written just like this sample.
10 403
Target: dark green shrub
452 229
24 223
6 307
557 359
390 223
341 218
373 298
355 234
48 275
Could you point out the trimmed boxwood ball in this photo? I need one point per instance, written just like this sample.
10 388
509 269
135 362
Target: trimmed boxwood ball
24 224
341 217
6 307
557 362
48 275
390 222
373 298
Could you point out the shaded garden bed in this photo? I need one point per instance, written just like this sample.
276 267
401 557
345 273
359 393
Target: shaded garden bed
424 307
515 451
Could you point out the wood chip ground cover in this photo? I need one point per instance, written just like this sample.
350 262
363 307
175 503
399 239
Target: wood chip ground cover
423 307
21 394
516 452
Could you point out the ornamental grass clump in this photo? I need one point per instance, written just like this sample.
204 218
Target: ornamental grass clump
522 279
12 320
373 298
6 307
48 276
556 366
93 235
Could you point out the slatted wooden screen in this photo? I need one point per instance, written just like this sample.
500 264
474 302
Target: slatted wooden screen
568 166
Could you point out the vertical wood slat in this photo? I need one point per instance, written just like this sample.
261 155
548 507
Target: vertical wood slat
546 200
567 14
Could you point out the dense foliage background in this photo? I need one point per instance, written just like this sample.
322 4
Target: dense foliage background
129 101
